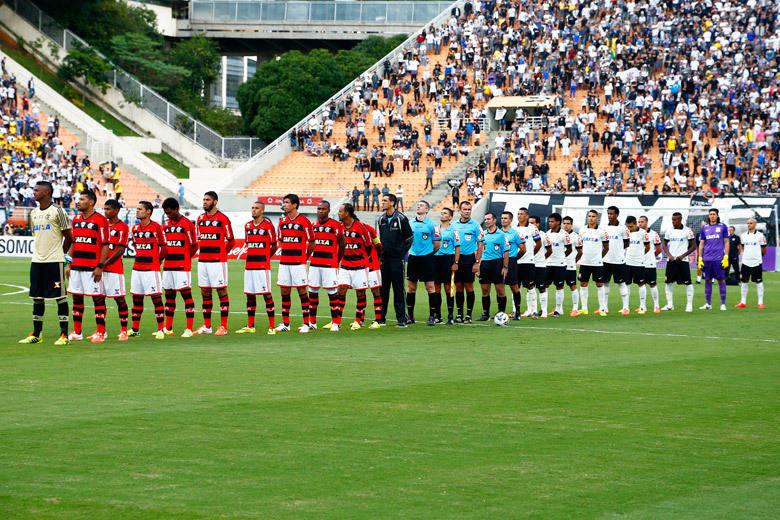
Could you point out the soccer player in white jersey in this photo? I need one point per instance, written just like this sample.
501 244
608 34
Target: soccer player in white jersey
526 269
638 246
615 259
540 268
560 242
595 245
679 243
651 259
571 264
753 249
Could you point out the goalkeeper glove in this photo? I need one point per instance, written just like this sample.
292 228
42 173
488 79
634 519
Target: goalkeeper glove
725 262
68 259
701 263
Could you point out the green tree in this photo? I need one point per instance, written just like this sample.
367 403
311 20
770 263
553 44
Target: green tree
200 56
84 63
143 57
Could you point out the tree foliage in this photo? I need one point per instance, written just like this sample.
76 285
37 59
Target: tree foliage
144 58
83 63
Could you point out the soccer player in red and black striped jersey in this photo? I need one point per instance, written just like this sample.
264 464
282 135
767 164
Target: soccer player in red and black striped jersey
177 269
375 275
296 243
324 261
89 251
260 240
150 249
114 272
215 239
354 266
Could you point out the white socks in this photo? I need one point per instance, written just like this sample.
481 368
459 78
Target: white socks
543 302
654 293
530 300
689 296
643 297
584 298
743 289
624 294
669 288
575 300
559 301
602 295
760 292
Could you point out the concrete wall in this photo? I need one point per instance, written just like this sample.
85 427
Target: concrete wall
144 144
165 22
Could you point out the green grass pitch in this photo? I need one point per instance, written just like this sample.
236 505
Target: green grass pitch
642 417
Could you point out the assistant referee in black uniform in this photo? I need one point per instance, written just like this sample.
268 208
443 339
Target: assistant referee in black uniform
395 234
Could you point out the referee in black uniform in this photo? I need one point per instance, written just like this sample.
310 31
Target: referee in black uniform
395 234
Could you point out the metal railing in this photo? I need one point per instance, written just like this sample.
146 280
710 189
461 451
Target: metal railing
233 148
406 13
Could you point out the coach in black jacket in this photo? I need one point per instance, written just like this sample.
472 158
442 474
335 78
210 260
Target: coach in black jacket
395 233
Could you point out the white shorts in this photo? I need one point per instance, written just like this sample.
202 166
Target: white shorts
375 279
145 283
176 280
355 278
114 285
292 276
325 277
257 281
212 275
81 282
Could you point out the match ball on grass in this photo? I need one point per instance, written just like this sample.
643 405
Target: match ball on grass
501 319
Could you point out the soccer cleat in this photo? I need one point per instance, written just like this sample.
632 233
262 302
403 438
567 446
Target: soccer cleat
312 326
160 334
582 312
328 325
187 333
432 321
62 340
122 336
92 335
303 329
555 314
204 330
411 322
468 319
625 312
450 322
438 320
527 314
516 316
401 325
761 306
133 333
32 338
221 331
97 337
641 311
75 337
282 328
597 312
688 308
271 331
246 330
657 309
355 325
334 327
484 317
543 315
668 307
374 325
574 313
168 332
740 305
723 307
705 307
458 319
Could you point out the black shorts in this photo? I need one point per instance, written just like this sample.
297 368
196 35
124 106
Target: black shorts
526 275
490 271
650 275
46 280
442 268
615 272
420 268
464 274
596 272
556 275
636 274
756 273
679 272
571 277
511 272
540 277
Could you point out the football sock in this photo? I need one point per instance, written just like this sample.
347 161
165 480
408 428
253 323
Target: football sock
286 304
78 312
62 314
606 294
314 302
575 300
624 294
722 289
559 300
269 310
642 296
689 295
601 293
434 305
760 292
207 304
543 302
517 298
124 312
340 302
669 290
138 310
584 298
470 299
170 308
654 294
410 299
251 308
486 305
189 307
360 312
743 290
501 303
39 307
459 299
224 310
378 307
530 300
708 291
100 313
159 312
305 307
450 305
333 300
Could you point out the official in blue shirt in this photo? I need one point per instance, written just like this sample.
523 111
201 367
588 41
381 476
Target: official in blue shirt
516 250
425 242
470 254
494 266
446 263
